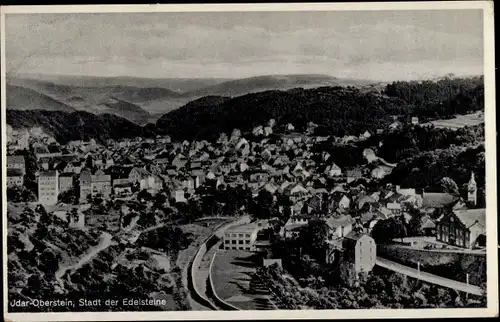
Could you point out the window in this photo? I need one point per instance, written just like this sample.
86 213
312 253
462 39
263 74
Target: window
247 235
240 242
233 242
226 241
240 235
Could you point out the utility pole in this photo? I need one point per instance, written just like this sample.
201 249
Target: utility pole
467 281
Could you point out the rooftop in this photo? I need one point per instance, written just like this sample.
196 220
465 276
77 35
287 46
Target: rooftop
470 216
15 159
245 228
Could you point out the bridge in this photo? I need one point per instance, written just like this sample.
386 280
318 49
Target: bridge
429 278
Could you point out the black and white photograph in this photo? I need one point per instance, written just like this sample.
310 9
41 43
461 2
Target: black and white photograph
298 160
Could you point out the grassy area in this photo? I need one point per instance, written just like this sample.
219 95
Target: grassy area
234 281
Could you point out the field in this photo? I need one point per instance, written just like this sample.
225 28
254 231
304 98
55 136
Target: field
232 274
459 121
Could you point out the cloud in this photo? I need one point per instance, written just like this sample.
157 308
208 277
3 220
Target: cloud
180 45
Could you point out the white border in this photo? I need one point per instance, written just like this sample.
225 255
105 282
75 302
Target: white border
490 146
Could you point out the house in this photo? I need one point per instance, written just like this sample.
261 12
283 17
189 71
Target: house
16 162
394 208
48 187
428 226
414 120
339 226
462 228
295 191
333 170
360 252
178 195
101 184
122 189
94 184
293 225
65 181
380 172
339 200
15 178
242 237
353 175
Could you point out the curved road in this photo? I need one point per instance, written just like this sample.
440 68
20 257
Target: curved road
429 278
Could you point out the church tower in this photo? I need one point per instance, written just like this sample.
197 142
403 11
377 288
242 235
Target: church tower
472 190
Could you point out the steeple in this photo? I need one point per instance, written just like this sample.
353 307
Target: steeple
472 190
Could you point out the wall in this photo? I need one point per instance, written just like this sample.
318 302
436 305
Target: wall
453 265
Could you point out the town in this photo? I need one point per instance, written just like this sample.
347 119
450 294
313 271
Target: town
281 201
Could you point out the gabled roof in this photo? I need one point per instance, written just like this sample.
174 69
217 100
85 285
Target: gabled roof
436 199
470 216
334 222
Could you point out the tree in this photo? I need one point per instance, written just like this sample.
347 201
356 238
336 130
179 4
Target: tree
144 195
264 204
20 194
313 239
386 230
450 186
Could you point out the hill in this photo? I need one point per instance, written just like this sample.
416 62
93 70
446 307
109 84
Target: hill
79 125
21 98
178 85
337 110
273 82
159 96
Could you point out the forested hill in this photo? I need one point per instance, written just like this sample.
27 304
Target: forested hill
78 125
338 110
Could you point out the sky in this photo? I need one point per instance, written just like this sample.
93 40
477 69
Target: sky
374 45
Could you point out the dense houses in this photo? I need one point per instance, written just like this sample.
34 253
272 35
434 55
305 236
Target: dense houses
262 161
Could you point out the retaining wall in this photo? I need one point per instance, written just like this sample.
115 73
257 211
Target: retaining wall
451 265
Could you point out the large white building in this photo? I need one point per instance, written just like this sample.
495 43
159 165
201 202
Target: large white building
48 187
241 237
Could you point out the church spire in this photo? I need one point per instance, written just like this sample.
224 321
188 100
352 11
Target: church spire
472 190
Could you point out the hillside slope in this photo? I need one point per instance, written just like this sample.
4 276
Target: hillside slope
20 98
273 82
77 125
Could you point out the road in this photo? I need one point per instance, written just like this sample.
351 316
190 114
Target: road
104 242
429 278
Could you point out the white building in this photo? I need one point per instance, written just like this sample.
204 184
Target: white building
241 237
48 187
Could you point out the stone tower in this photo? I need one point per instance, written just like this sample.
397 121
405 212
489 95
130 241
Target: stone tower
472 190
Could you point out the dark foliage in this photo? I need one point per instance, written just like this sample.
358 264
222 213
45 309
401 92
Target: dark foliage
79 125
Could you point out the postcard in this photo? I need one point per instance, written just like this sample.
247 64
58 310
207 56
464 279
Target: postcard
249 161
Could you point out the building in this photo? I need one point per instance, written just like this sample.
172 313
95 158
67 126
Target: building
472 190
16 162
241 237
464 228
65 181
339 227
93 185
85 189
15 178
101 184
48 187
359 253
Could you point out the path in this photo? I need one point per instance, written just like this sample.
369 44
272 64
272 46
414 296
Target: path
429 278
104 242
